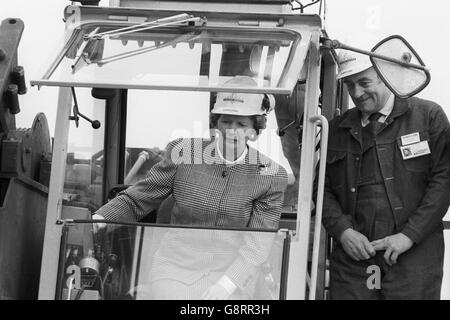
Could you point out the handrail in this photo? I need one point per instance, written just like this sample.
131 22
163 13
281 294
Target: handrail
319 201
168 225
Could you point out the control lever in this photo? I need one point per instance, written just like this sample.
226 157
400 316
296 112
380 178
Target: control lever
282 131
77 114
112 264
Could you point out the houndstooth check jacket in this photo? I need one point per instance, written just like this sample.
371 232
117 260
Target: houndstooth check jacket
208 192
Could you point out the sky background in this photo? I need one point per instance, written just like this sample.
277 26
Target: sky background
424 24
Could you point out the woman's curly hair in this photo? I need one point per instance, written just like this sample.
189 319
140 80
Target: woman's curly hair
259 121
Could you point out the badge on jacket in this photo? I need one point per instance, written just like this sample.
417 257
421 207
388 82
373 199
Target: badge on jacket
412 147
262 169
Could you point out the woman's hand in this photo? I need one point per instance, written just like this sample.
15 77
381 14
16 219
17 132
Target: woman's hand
98 226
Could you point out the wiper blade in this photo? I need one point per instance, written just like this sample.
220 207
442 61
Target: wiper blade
183 38
164 22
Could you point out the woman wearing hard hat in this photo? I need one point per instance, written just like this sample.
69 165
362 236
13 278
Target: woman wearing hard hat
218 182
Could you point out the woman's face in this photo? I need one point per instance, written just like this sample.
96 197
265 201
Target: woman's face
236 130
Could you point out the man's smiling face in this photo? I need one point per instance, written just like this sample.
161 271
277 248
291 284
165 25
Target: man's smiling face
368 92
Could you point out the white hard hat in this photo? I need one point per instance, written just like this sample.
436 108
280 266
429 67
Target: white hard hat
350 62
241 104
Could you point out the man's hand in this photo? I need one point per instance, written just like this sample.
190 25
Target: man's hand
394 245
215 292
356 245
98 226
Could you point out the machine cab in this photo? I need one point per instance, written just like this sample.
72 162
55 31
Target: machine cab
132 80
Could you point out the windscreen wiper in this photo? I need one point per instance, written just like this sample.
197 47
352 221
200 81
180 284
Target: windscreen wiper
183 38
183 18
95 40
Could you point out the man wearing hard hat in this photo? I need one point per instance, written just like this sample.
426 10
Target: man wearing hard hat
382 206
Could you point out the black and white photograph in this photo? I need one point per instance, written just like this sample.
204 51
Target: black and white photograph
249 151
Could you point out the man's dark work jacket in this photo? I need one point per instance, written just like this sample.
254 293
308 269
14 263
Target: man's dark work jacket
418 189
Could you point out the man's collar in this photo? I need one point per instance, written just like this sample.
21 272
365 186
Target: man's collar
385 111
353 118
401 106
388 106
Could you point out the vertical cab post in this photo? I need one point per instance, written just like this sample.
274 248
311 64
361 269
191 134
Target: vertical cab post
298 277
53 231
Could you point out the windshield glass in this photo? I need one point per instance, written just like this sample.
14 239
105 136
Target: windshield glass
83 183
201 58
142 262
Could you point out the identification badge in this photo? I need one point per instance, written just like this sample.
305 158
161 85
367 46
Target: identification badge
415 150
410 138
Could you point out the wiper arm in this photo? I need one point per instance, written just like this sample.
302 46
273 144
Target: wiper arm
164 22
